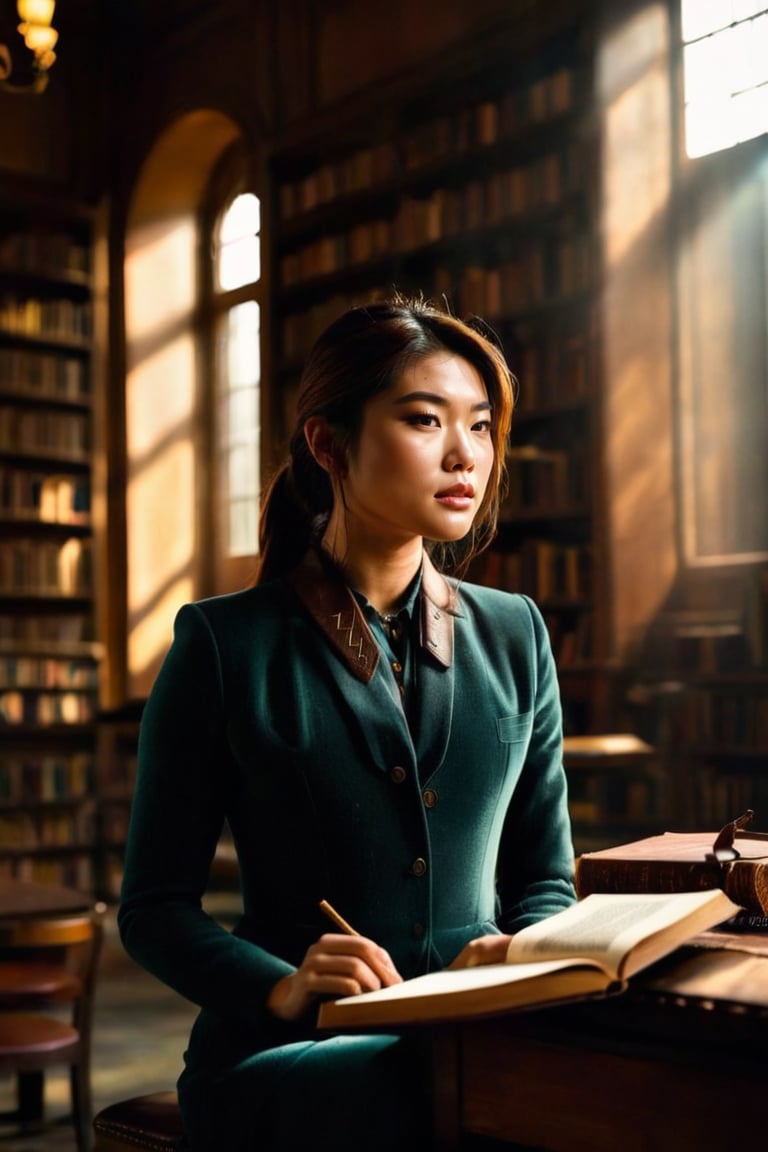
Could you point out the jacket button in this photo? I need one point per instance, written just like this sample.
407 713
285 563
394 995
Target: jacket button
397 774
429 797
417 931
419 866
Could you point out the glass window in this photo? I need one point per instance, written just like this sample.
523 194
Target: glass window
237 376
725 62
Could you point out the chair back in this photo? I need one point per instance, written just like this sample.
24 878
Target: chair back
71 940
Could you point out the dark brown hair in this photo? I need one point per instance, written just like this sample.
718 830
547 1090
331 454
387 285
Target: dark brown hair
359 355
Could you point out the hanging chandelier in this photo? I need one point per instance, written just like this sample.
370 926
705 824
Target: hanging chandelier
30 72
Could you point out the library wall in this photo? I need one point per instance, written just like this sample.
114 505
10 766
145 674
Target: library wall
636 112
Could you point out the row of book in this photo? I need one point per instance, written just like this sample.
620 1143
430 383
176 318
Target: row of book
42 827
50 497
452 134
572 637
551 370
22 671
551 364
618 798
113 823
43 430
43 707
41 778
46 567
725 715
48 632
43 251
71 871
446 212
544 569
538 478
541 272
58 319
299 330
544 479
43 375
709 798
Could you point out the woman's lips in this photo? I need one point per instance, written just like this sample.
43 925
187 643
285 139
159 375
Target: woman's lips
459 496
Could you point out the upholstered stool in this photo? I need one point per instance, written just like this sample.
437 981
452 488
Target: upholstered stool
152 1122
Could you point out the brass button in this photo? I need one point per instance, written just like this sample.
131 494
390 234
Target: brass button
396 668
419 866
429 797
397 774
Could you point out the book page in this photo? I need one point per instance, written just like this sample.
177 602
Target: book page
449 980
606 927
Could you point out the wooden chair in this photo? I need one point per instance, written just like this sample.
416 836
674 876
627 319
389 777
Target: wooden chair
152 1122
51 962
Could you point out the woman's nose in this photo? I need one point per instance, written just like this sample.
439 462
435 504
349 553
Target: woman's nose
460 456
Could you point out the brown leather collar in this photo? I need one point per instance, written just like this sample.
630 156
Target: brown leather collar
321 587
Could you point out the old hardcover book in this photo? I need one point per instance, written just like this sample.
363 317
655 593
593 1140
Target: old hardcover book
681 862
590 949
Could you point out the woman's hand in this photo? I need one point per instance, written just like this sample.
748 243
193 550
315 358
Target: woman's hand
335 965
483 950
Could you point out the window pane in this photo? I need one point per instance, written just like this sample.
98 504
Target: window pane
242 218
726 72
700 17
243 528
243 352
239 430
238 255
243 470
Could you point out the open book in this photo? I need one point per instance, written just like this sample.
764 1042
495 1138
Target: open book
591 948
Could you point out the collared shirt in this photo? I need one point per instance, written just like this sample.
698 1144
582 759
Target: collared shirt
394 635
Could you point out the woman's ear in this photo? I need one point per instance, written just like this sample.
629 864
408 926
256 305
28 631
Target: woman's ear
323 445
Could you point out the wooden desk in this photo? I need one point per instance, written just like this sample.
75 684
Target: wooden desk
20 898
669 1066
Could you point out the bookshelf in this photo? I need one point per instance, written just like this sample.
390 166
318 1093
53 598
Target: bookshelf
117 743
486 197
701 693
49 655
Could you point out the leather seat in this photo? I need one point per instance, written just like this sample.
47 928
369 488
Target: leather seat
152 1122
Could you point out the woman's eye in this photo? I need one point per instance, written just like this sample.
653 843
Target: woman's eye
427 419
482 426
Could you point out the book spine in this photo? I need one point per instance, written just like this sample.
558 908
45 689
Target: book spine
745 881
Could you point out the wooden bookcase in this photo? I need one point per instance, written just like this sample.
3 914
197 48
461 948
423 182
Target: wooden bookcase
701 695
118 738
49 655
486 196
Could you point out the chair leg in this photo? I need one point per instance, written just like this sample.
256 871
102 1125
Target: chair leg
82 1105
30 1089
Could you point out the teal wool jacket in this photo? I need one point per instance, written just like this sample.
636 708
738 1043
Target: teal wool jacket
276 710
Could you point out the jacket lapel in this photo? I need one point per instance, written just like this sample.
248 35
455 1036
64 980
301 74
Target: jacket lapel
328 599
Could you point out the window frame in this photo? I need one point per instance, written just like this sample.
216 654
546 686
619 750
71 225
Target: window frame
233 175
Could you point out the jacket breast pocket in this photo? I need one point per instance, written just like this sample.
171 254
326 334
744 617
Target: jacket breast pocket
514 729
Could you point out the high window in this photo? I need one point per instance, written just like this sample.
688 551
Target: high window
238 372
232 320
725 61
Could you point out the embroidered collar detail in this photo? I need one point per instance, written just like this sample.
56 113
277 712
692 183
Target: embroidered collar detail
331 603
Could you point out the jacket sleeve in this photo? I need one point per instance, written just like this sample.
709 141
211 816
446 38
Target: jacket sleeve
176 819
535 875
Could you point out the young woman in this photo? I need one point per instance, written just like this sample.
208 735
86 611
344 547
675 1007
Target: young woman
377 734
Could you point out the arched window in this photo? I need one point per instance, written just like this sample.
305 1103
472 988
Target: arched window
232 311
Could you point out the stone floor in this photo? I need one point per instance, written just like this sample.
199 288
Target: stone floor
140 1032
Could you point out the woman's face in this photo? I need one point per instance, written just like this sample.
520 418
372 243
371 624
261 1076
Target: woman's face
424 456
